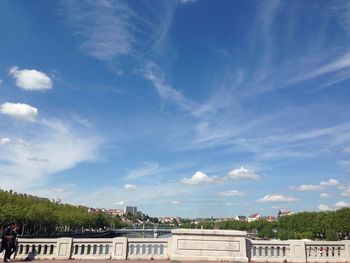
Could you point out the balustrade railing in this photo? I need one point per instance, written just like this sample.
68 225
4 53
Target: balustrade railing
317 251
269 251
148 248
187 246
91 248
37 248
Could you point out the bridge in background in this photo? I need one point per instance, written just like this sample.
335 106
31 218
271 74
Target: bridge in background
186 245
156 232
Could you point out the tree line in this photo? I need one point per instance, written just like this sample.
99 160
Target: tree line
331 225
38 215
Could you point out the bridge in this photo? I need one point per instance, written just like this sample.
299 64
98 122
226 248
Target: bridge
185 245
155 231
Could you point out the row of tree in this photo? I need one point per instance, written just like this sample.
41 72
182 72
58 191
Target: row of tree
332 225
40 215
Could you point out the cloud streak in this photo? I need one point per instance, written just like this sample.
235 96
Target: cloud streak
111 30
51 147
276 198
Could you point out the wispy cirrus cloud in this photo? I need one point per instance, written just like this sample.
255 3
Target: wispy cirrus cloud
152 169
232 193
52 146
110 30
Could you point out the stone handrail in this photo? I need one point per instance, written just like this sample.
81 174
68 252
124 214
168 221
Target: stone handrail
148 248
269 251
199 245
327 251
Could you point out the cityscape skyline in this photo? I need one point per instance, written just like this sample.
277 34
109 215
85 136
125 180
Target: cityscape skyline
189 108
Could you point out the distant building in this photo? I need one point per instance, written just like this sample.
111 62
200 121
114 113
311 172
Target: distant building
130 209
115 212
240 218
282 213
270 218
254 217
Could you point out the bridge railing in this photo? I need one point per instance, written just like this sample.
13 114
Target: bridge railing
327 251
148 248
269 251
94 248
200 245
38 248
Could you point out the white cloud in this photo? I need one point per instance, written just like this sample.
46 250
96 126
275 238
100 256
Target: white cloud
330 182
325 195
276 198
309 187
243 174
52 147
341 187
113 29
199 178
58 190
5 140
119 203
31 79
175 202
153 73
147 169
130 187
341 204
316 187
322 207
347 150
1 81
187 1
19 110
346 193
232 193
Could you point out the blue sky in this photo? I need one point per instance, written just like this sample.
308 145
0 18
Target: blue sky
182 108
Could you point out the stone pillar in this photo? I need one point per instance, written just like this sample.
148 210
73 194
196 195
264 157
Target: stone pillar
297 251
120 248
64 248
347 250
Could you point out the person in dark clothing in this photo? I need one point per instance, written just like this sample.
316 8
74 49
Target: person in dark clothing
8 241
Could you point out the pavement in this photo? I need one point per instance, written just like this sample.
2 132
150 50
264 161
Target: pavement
108 261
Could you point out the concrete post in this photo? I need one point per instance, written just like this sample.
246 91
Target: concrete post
64 248
120 248
347 250
297 251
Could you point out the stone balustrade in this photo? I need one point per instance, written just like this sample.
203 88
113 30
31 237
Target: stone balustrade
269 251
148 248
317 251
187 244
